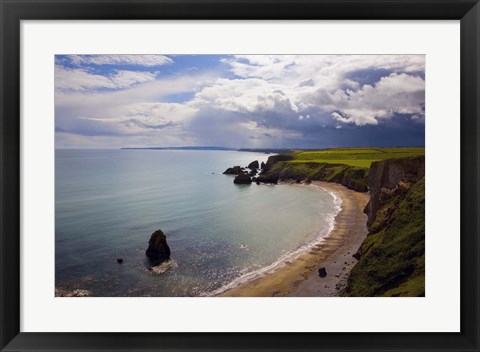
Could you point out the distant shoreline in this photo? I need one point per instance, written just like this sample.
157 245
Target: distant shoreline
299 277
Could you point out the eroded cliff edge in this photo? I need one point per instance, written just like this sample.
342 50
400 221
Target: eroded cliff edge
392 258
283 167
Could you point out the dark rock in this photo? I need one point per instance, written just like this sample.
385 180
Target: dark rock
308 181
262 165
322 272
242 179
119 260
158 250
253 165
253 172
272 160
266 178
236 170
357 256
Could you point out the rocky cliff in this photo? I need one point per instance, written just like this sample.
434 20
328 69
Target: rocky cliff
350 176
392 258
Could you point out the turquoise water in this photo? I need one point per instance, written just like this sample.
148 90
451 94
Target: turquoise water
109 202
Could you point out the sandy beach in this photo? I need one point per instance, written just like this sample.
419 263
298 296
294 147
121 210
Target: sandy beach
299 277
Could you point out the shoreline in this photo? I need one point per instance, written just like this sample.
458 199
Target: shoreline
299 277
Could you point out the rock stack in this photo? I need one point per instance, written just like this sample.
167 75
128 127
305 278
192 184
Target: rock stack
158 250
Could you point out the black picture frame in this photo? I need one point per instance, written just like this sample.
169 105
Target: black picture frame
14 11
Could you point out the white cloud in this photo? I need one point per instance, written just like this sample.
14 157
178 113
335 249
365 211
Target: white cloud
321 83
131 60
123 79
245 95
81 79
136 115
394 94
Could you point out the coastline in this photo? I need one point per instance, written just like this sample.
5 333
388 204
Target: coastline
299 277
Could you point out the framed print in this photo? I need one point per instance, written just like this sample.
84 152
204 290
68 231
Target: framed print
239 175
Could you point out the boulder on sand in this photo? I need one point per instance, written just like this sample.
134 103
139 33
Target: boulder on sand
357 256
158 250
322 272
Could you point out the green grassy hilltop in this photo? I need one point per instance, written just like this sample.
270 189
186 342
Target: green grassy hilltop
348 166
359 157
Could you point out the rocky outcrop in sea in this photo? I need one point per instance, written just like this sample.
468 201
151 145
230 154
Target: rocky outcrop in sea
253 165
235 170
242 179
158 250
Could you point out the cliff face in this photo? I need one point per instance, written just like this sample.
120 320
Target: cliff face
390 178
392 258
350 176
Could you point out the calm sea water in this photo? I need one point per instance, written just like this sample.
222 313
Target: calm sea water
109 202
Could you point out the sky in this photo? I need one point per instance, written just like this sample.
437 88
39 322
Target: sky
239 101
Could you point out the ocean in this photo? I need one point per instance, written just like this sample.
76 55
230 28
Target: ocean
109 202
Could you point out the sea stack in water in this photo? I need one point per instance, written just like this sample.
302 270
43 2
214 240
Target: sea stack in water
253 165
236 170
158 250
242 179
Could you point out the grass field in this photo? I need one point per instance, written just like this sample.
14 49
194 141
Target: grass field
359 157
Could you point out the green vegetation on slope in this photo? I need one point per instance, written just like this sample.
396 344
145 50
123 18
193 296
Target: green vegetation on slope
359 157
347 166
393 255
350 176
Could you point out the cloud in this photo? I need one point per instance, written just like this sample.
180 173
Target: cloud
245 95
123 79
330 85
128 60
326 70
250 101
81 79
395 94
307 83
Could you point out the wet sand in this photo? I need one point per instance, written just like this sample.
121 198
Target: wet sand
299 277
